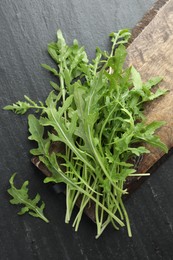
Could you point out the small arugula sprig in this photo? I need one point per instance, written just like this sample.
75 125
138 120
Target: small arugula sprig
96 111
20 197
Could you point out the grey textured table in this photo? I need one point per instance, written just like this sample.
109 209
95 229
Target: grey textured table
25 29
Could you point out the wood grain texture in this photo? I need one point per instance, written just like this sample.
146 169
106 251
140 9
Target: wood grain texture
147 18
152 54
26 27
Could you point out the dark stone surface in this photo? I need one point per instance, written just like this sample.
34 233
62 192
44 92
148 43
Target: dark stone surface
26 27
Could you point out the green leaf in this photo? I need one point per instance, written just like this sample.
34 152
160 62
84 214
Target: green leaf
66 104
139 150
19 108
79 95
23 210
116 62
121 37
21 197
55 85
136 78
54 168
67 77
153 126
61 41
73 123
52 98
54 56
37 131
155 141
124 174
47 67
153 82
158 93
109 155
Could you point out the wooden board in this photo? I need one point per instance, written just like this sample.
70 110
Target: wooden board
152 54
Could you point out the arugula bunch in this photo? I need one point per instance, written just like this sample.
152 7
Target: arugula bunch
96 111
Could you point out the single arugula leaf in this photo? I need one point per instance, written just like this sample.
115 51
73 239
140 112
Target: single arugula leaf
55 85
79 95
152 82
158 93
21 107
153 126
47 67
154 141
138 151
145 133
37 131
21 197
136 78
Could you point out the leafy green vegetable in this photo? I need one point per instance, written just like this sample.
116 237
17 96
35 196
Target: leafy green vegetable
20 197
96 111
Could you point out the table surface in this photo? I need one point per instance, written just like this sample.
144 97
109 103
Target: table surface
26 27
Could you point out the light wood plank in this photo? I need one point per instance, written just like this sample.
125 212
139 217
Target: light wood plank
152 54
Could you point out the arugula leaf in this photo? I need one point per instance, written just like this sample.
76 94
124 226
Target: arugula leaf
20 197
37 132
47 67
21 107
136 78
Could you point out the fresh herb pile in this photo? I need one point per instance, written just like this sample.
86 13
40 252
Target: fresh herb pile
96 111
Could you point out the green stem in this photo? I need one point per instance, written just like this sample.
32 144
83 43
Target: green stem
67 180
